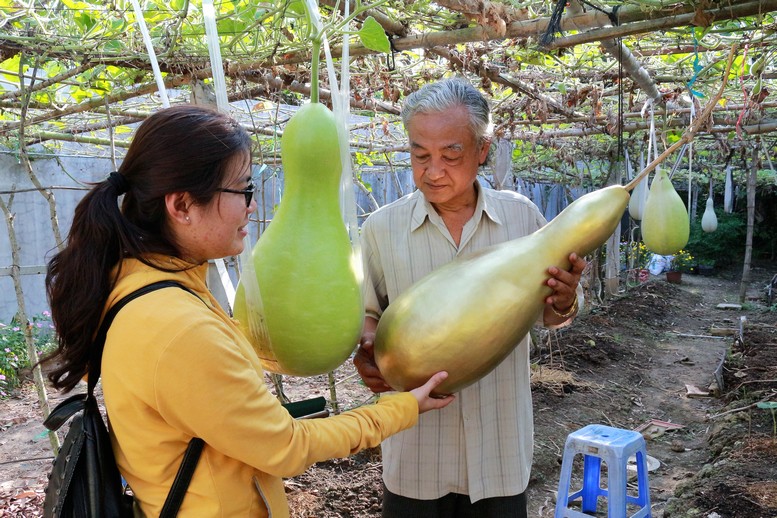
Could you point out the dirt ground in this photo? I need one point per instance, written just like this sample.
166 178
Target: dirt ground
653 357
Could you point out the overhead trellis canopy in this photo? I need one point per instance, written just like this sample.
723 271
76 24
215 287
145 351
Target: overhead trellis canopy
80 71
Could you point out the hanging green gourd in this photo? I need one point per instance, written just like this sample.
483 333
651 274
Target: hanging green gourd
709 221
300 299
665 226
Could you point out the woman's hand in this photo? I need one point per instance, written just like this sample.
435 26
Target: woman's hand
427 402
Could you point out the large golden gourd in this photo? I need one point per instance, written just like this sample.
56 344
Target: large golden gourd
467 316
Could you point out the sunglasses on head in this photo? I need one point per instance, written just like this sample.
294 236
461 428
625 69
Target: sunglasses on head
248 192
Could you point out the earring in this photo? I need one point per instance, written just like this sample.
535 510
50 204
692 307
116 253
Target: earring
187 219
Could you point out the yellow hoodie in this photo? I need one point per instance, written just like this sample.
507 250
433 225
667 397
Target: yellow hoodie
177 367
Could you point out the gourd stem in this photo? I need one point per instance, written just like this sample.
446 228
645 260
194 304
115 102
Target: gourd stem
314 69
697 124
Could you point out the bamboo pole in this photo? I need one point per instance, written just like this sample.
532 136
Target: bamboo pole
32 352
333 393
48 82
690 49
669 113
29 339
548 136
751 184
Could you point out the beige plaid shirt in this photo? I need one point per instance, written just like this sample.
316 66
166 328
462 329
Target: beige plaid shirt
481 444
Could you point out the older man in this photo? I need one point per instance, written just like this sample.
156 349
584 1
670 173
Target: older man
474 457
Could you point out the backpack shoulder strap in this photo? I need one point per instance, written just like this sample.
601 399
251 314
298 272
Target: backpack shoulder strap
182 478
194 449
96 352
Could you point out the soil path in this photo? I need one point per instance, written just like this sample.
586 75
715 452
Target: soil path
634 362
634 359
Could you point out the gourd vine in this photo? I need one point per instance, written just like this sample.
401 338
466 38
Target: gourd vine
697 124
371 36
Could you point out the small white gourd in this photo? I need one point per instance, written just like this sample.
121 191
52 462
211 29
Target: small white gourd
709 221
637 200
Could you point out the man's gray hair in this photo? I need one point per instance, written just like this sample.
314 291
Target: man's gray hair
449 93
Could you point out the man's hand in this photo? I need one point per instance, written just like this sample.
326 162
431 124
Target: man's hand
564 284
364 360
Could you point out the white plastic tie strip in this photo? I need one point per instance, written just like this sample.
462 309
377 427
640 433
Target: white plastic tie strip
214 51
160 84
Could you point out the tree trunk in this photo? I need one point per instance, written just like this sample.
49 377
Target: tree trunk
333 393
613 265
751 182
32 353
23 319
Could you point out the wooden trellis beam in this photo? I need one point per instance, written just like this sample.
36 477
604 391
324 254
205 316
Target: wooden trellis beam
394 27
524 29
95 102
40 85
547 136
273 85
491 73
628 15
631 66
633 19
606 31
670 49
668 113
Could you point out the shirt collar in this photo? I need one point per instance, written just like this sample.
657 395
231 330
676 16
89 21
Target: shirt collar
423 209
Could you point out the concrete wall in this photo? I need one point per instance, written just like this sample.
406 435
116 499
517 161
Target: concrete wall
32 221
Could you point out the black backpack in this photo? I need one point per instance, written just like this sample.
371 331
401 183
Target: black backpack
85 481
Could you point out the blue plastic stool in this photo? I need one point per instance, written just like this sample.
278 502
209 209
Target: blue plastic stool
614 446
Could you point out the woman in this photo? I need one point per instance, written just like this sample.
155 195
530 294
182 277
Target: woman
175 366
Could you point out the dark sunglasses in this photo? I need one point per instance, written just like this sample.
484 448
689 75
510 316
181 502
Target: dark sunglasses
248 193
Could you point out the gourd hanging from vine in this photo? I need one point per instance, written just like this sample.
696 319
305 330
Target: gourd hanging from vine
709 221
300 298
665 225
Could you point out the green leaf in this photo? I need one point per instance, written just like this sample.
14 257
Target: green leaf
771 405
84 21
373 36
296 7
115 46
